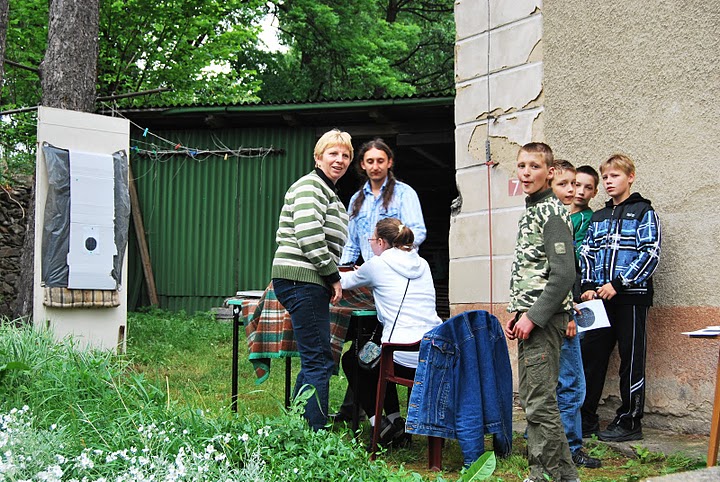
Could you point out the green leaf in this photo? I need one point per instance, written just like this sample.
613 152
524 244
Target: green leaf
14 366
481 469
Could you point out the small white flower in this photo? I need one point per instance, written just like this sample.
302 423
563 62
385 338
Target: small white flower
85 461
244 437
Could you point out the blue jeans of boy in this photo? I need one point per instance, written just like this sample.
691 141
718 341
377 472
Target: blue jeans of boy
309 308
571 391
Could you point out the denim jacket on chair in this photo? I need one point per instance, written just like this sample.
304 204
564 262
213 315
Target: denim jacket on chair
463 385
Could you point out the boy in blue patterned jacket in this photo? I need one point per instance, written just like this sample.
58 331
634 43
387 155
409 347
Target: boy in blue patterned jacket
618 257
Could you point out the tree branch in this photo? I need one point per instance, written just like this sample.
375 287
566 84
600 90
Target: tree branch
24 67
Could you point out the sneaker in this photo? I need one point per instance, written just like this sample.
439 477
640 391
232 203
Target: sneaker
581 459
401 439
588 432
618 433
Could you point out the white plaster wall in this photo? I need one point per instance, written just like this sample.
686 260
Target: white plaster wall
499 96
102 328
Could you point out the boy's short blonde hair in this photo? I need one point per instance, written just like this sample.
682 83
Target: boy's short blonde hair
539 148
335 137
618 161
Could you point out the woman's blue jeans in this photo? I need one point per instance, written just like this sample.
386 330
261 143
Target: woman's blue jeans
309 308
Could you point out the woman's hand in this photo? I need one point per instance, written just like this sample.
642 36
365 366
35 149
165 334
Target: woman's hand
336 292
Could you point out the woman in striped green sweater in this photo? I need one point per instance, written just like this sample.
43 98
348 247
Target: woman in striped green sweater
310 238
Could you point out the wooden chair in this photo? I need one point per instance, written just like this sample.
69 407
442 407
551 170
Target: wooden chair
387 374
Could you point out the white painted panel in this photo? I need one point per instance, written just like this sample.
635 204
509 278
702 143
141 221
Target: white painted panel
509 89
92 214
471 16
470 280
510 46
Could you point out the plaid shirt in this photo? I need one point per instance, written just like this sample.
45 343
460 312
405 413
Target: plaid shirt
404 206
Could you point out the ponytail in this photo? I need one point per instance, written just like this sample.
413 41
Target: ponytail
395 233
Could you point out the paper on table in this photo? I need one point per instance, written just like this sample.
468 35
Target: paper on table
709 331
592 316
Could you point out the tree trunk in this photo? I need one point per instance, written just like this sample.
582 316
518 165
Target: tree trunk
69 70
68 75
4 9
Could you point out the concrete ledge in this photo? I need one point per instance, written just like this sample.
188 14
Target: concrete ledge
708 475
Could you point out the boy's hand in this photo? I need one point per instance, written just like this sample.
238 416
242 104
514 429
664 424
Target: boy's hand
588 295
571 329
510 328
523 327
606 291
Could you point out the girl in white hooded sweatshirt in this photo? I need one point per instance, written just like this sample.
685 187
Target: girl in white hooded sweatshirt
404 295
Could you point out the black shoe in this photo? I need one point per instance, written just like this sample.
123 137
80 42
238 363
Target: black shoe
342 417
588 432
618 433
581 459
392 434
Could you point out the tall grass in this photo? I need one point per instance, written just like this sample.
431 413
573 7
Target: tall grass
88 415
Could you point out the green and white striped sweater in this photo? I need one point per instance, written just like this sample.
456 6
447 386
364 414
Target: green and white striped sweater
311 232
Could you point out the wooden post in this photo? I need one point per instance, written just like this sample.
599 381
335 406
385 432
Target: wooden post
715 423
142 243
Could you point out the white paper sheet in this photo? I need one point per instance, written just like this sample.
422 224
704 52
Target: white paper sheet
592 316
707 332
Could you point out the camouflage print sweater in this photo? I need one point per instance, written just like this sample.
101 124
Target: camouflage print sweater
543 270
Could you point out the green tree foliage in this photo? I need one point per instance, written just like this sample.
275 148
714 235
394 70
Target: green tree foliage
183 45
208 52
356 48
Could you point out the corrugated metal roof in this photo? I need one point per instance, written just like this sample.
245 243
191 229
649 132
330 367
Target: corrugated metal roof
291 102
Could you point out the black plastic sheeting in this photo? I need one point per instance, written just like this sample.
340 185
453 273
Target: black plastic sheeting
56 231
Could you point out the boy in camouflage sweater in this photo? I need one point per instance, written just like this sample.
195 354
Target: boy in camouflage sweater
543 273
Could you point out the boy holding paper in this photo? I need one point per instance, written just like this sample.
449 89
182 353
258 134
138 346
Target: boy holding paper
618 257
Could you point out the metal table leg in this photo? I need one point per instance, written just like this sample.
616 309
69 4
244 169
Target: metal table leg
235 355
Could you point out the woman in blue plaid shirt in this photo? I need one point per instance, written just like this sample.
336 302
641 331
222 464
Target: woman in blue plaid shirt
381 196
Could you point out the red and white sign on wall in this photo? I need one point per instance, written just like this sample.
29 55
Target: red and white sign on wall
515 188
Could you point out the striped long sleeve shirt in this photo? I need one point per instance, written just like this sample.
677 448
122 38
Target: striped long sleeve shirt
311 232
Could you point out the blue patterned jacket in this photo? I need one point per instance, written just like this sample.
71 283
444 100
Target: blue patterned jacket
622 247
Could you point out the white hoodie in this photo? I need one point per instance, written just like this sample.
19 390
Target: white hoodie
387 275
